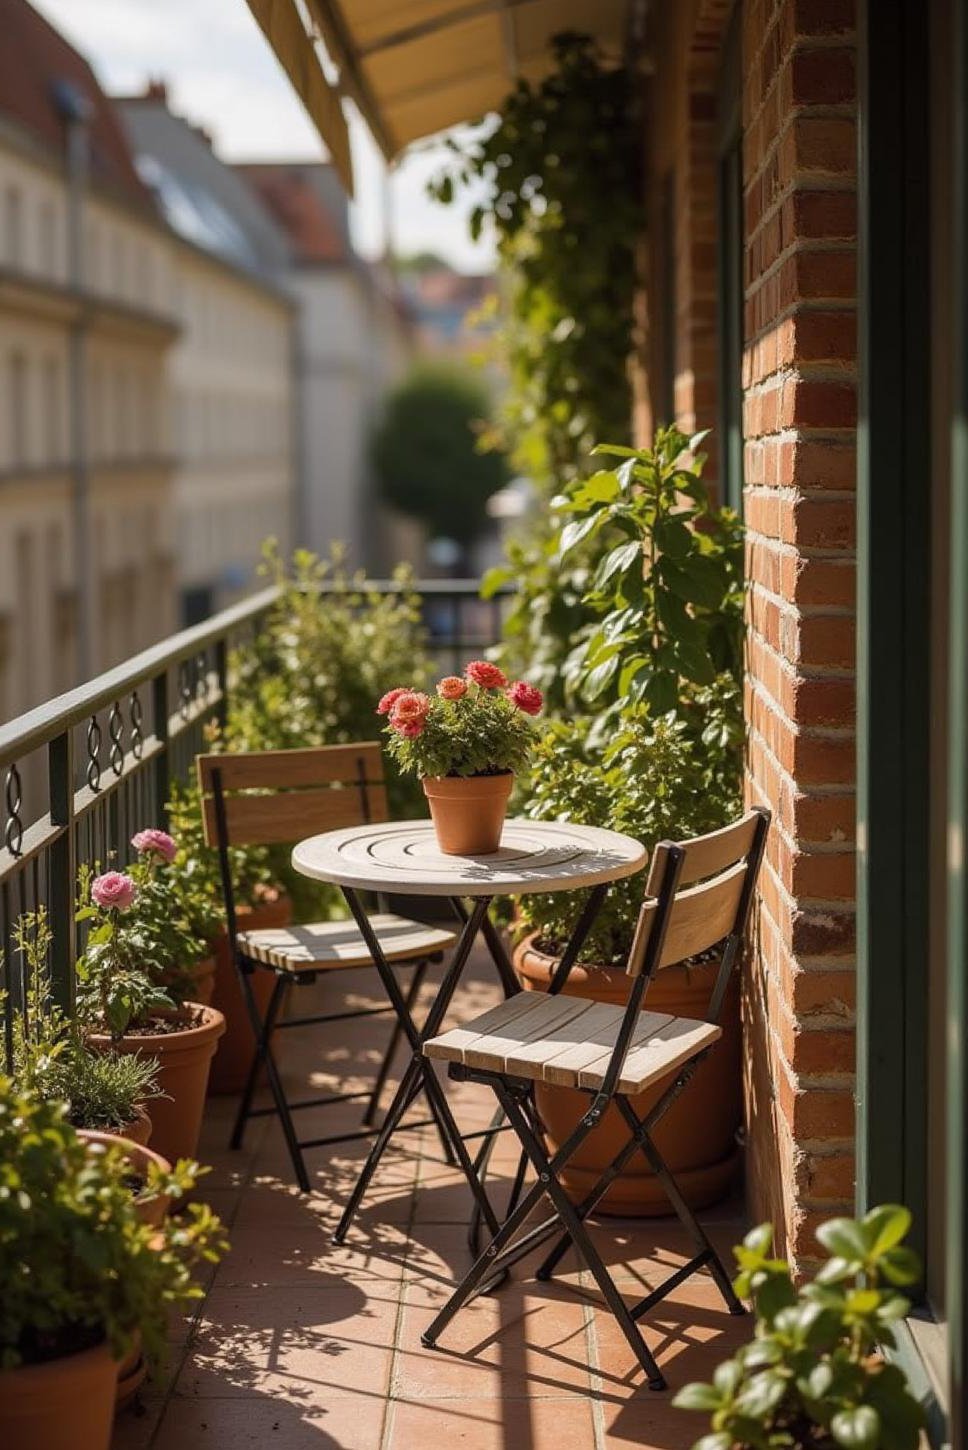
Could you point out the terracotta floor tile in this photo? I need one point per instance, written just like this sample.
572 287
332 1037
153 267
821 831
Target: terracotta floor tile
493 1425
345 1423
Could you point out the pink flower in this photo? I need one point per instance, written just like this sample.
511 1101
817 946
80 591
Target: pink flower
527 697
154 843
451 687
390 699
114 891
408 728
488 676
409 705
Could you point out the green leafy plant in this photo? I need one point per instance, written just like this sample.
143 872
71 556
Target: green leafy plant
475 725
654 778
121 970
51 1059
560 171
76 1263
667 588
426 454
812 1377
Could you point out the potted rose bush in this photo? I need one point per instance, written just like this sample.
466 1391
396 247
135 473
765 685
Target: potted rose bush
84 1274
131 993
465 742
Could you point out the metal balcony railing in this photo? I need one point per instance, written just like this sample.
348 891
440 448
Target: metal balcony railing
82 772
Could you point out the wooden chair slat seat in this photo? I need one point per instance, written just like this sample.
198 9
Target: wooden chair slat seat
570 1041
332 945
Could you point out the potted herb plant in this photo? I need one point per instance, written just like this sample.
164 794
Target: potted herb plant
814 1377
106 1092
465 743
129 999
82 1275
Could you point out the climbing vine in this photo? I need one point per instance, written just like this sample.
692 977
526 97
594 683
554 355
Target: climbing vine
561 172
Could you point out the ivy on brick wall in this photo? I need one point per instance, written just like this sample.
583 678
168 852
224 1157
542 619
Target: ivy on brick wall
562 194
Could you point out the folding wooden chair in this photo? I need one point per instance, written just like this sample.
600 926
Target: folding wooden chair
271 797
698 894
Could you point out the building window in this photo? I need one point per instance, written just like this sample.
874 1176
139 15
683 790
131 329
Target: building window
53 412
17 409
13 224
730 267
47 251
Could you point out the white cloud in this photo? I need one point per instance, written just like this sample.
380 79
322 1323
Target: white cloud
222 75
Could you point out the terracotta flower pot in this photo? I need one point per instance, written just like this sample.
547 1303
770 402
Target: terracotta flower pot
184 1058
62 1404
697 1136
132 1368
468 811
231 1064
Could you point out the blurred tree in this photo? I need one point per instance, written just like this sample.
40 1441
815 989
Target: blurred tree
426 455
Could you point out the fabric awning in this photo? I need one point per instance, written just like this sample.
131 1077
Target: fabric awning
282 26
414 67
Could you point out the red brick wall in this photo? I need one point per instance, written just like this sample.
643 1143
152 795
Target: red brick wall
799 416
798 69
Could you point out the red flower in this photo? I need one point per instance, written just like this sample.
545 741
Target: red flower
407 728
527 697
390 699
488 676
408 706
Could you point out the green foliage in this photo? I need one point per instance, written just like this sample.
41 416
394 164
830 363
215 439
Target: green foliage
121 970
482 733
561 171
320 660
50 1057
76 1263
426 454
667 586
655 778
809 1377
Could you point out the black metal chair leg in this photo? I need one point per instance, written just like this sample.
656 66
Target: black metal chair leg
481 1162
402 1098
369 1117
263 1037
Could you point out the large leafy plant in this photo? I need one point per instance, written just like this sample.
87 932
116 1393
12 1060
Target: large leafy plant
666 592
77 1264
654 778
560 172
812 1376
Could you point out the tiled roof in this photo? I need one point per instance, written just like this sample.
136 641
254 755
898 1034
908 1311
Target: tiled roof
34 57
296 203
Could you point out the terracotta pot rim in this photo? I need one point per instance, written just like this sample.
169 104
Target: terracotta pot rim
526 948
212 1025
78 1361
133 1150
468 784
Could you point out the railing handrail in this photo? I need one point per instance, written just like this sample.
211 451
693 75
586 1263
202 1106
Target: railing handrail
35 727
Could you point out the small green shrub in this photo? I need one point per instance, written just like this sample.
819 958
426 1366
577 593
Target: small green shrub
654 779
811 1376
471 726
51 1060
77 1265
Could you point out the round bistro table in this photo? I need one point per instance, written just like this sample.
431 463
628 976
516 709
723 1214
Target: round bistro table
402 858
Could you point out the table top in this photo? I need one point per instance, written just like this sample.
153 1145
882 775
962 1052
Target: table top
402 857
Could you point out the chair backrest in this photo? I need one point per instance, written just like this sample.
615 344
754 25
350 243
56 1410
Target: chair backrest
272 797
698 893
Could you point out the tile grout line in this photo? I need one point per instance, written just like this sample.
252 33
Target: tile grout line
389 1413
595 1382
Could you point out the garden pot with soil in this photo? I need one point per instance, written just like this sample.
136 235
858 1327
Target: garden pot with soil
697 1136
468 811
183 1043
231 1063
60 1404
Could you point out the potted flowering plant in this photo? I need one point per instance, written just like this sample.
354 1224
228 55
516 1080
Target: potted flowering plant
87 1272
131 995
465 742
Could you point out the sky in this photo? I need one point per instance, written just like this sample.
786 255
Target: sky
222 75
